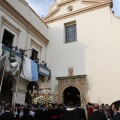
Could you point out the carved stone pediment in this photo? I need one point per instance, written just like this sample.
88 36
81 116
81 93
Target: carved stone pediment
57 13
78 81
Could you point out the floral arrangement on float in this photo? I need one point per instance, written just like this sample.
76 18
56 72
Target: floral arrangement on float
43 99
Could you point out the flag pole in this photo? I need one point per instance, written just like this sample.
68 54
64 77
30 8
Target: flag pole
16 89
3 73
84 106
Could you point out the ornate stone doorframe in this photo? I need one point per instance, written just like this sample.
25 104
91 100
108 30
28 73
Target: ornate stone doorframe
78 81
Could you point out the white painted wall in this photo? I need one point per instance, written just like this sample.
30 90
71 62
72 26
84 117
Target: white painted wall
95 53
63 9
23 39
29 15
20 98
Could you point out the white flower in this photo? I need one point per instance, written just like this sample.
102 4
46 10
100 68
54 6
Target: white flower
43 99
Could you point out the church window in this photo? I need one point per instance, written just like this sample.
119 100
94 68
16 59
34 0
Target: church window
70 29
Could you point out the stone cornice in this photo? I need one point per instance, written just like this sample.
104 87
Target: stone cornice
7 23
24 2
66 2
17 17
59 5
36 44
69 1
80 11
71 77
95 1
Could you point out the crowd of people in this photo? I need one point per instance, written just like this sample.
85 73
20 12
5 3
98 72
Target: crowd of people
104 111
60 112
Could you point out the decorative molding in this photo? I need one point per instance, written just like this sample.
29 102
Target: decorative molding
36 44
18 18
94 1
80 11
66 2
70 23
78 81
11 26
57 8
24 2
70 71
71 77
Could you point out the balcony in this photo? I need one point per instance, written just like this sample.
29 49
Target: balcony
43 71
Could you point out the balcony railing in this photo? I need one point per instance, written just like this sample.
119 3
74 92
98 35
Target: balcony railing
43 71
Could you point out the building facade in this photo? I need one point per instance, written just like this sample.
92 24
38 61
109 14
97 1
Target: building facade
21 27
84 41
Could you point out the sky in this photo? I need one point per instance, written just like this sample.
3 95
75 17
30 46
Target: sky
41 6
116 7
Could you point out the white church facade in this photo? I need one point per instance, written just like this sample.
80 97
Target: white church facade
80 42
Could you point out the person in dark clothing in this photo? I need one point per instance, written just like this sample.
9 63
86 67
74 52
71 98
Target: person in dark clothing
7 115
2 107
102 109
60 110
116 109
108 111
80 112
43 113
26 114
70 113
54 112
96 115
89 109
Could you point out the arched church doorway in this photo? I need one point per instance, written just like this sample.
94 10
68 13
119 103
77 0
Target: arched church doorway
32 86
6 92
71 94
